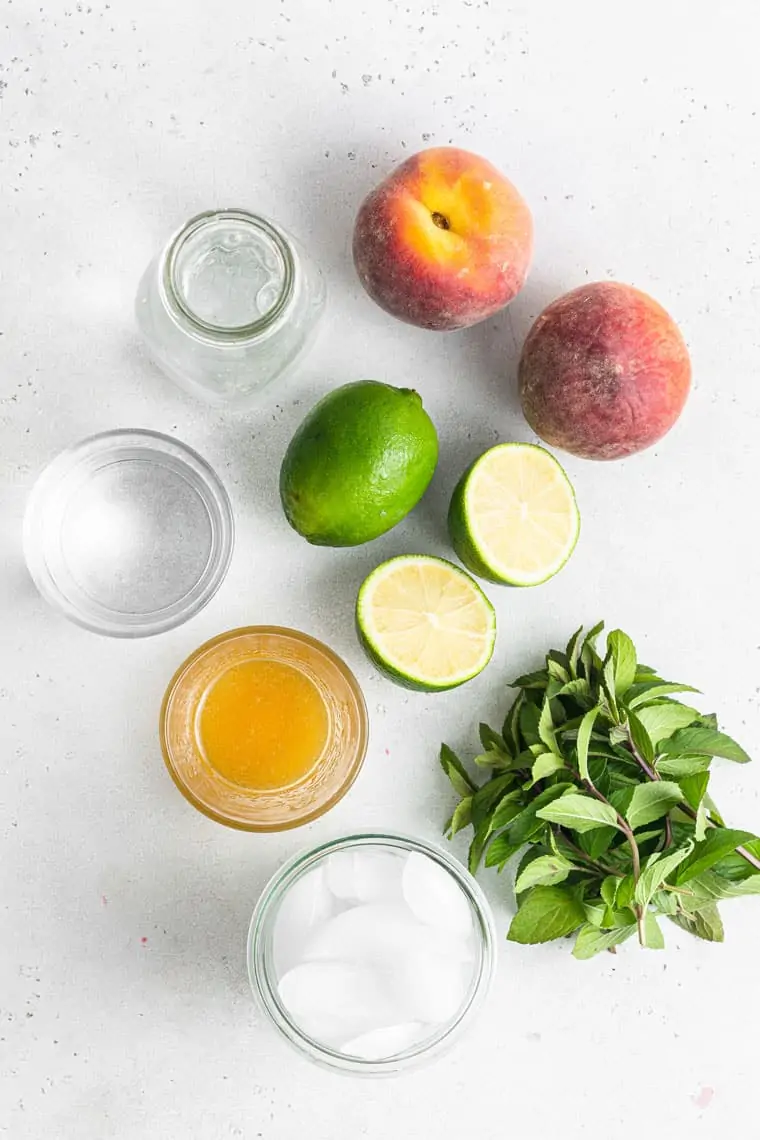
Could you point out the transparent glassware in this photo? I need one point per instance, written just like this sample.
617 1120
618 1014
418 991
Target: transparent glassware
128 533
263 976
228 305
276 809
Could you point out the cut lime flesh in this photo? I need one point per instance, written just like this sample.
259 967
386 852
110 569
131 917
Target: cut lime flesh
425 622
513 517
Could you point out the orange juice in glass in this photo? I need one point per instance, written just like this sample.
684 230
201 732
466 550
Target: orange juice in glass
263 728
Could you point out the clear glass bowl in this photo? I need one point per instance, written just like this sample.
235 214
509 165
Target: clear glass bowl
228 305
128 533
262 973
251 809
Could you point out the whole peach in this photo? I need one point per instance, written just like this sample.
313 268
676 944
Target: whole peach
445 241
604 372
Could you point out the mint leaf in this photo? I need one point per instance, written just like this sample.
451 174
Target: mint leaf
546 913
558 657
608 688
579 688
537 680
709 887
615 919
500 761
666 902
621 798
490 739
653 937
652 801
486 798
478 846
718 843
546 870
535 851
527 823
584 739
625 892
545 765
591 941
640 737
455 770
557 668
623 652
706 923
461 818
592 635
661 720
705 742
573 651
700 823
530 716
735 867
590 659
646 691
694 788
580 812
595 843
595 912
678 766
656 870
750 886
508 808
609 888
500 851
511 728
546 727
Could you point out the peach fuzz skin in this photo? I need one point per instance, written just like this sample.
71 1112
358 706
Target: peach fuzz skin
444 242
604 372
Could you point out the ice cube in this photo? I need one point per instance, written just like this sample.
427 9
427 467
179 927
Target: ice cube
379 934
430 987
434 896
333 1001
379 1044
307 904
364 874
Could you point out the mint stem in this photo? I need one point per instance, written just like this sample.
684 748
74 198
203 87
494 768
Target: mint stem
627 831
587 858
686 808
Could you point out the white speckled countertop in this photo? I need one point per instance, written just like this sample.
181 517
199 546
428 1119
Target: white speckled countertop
124 1004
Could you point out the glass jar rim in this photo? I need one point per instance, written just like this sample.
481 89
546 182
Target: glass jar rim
183 314
264 988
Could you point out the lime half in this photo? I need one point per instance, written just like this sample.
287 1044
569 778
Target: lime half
425 622
513 517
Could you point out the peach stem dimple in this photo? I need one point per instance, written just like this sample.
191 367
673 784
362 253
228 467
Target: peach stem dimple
441 220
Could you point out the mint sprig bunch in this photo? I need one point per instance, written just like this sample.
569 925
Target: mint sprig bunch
604 776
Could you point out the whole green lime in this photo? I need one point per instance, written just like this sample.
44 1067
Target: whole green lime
359 462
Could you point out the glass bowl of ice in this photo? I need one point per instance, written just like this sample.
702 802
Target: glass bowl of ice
371 954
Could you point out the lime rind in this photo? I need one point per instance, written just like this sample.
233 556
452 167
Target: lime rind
393 668
466 535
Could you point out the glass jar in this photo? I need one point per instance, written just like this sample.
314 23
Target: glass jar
128 533
263 951
228 305
238 804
